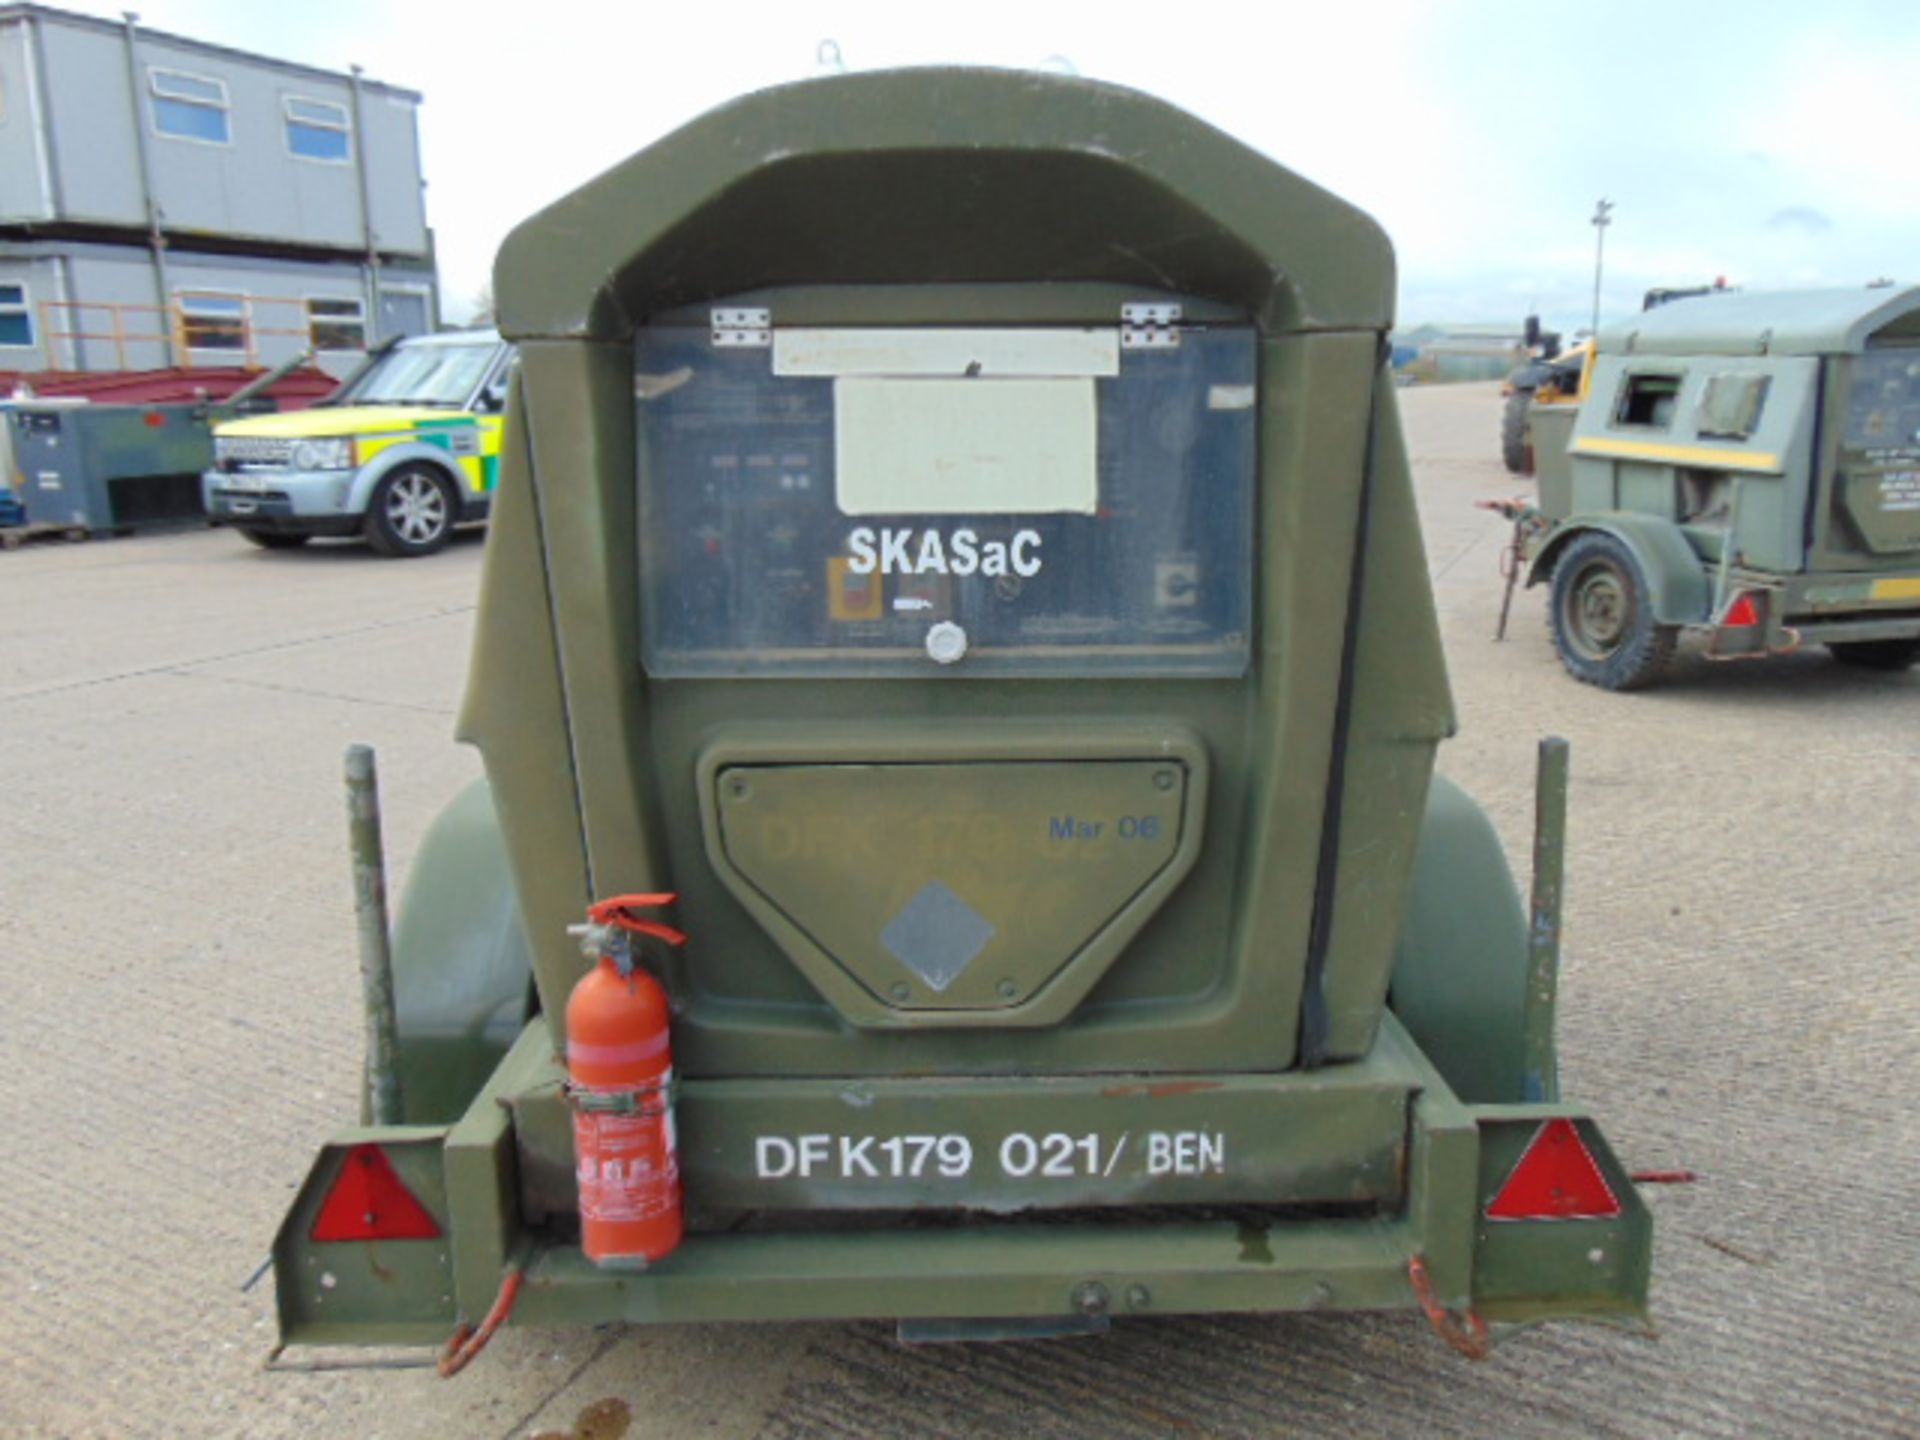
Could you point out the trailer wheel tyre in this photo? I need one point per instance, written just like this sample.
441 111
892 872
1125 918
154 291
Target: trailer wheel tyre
1602 616
411 513
273 539
1516 447
1876 654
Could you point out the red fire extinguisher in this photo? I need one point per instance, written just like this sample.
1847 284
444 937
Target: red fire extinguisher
620 1084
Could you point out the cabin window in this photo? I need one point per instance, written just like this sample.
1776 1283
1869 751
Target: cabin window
16 317
1647 400
189 107
1730 405
1883 401
212 321
317 130
335 324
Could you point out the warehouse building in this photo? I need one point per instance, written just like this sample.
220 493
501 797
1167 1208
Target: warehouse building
167 202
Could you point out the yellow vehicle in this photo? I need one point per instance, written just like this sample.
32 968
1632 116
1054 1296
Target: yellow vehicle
1553 377
406 450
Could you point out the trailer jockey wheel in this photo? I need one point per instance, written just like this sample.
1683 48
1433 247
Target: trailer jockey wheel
1602 616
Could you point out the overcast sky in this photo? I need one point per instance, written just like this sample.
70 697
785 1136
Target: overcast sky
1775 144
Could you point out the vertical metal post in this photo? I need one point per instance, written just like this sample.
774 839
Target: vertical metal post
1723 576
380 1098
156 238
369 239
1543 919
1602 217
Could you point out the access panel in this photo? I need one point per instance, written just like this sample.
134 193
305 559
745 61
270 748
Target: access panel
946 501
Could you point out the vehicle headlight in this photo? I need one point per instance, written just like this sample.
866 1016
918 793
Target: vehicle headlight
322 454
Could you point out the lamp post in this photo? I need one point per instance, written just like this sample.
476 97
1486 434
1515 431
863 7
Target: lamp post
1602 217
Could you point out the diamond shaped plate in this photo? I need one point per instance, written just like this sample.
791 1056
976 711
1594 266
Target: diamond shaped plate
936 935
835 858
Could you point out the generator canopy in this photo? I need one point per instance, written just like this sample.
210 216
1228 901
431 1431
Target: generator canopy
735 558
1791 322
913 176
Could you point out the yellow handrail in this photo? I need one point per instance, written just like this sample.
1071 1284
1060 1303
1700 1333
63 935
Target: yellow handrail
170 327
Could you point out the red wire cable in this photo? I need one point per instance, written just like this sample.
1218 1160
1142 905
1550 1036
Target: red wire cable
1468 1336
466 1342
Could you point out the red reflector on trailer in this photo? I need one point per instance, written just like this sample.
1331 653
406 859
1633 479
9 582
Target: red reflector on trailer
1556 1179
369 1201
1741 613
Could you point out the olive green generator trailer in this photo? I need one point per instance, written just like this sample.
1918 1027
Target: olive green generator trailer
1743 466
955 536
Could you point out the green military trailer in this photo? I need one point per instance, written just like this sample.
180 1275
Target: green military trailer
1746 466
955 536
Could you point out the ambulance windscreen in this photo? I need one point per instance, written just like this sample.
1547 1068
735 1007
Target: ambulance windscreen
1037 502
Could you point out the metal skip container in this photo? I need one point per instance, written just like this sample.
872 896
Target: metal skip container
99 468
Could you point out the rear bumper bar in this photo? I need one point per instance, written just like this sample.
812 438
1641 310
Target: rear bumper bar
961 1273
1031 1264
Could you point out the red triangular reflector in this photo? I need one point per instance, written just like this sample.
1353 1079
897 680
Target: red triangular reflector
369 1201
1742 613
1556 1179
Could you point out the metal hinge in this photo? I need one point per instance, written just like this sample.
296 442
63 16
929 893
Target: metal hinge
743 328
1149 327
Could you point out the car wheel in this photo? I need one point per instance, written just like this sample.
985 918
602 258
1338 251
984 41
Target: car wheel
1516 446
412 513
1602 616
1876 654
273 539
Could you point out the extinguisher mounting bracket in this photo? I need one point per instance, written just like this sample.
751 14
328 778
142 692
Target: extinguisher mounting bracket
648 1100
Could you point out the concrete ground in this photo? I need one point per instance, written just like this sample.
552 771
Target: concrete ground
179 1026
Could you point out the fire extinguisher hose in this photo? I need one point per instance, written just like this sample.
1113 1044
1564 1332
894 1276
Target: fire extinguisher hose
467 1342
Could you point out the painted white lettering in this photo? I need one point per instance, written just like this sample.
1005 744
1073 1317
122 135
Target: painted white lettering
1186 1152
814 1150
1019 1155
906 551
773 1157
860 551
1025 562
893 552
853 1157
966 552
933 557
